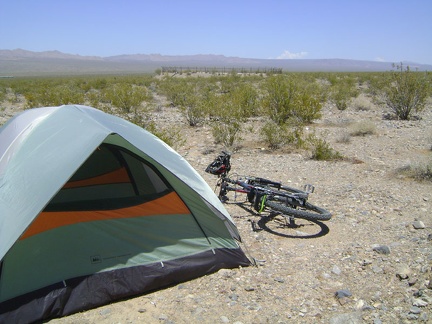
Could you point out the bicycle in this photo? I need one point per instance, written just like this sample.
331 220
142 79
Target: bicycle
265 194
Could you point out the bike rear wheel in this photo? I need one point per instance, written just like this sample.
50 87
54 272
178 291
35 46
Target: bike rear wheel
308 211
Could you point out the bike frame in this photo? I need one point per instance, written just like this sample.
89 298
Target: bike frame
263 193
255 192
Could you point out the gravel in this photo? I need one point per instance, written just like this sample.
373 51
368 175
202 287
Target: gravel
371 263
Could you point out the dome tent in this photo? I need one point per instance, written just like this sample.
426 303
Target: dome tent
94 209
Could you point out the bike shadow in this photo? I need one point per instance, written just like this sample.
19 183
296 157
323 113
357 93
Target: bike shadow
322 229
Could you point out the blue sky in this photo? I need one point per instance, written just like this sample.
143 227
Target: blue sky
376 30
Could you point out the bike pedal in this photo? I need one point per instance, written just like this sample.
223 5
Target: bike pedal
309 188
223 199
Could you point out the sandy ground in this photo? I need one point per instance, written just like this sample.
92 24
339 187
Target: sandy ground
371 263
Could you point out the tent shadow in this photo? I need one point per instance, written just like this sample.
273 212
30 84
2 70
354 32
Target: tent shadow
263 224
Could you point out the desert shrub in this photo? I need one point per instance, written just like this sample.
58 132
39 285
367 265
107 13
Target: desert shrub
363 128
190 95
171 135
277 136
194 102
96 84
2 93
125 96
176 90
345 137
407 92
285 99
274 134
419 171
226 119
194 110
342 91
55 95
246 97
362 103
322 151
95 99
226 133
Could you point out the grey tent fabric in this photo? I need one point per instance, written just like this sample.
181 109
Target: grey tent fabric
87 198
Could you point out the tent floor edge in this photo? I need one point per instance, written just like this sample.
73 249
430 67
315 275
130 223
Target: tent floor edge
84 293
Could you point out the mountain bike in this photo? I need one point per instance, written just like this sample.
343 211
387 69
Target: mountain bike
264 194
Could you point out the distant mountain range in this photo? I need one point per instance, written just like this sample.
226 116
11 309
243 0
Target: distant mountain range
19 62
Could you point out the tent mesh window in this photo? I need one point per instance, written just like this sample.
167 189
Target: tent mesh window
110 178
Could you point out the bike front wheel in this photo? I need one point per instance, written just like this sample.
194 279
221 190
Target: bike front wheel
308 211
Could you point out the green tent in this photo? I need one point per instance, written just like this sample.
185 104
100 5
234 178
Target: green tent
94 209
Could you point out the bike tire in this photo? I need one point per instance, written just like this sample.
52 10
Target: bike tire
309 211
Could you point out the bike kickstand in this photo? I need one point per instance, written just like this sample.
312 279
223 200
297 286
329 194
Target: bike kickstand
291 221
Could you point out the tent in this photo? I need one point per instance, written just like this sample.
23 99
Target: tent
95 209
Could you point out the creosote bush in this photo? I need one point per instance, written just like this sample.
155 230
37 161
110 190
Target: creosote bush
322 151
56 95
343 90
287 98
277 136
226 119
126 96
407 92
283 103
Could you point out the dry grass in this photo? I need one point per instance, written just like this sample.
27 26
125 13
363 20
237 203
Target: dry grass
362 128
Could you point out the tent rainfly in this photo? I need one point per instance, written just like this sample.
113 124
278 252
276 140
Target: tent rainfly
95 209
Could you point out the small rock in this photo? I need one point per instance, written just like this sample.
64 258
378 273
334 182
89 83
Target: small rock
412 317
163 317
344 300
353 318
424 317
366 262
254 307
418 224
360 304
419 302
249 288
343 293
382 249
377 269
377 321
224 319
336 270
105 312
403 272
418 293
412 281
225 273
415 310
233 297
142 310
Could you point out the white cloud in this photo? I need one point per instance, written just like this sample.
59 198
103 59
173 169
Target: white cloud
288 55
380 59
